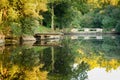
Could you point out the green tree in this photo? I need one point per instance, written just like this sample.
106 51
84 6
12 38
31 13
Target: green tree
51 5
13 12
65 14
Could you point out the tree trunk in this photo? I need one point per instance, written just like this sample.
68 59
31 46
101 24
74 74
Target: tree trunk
1 16
53 61
52 17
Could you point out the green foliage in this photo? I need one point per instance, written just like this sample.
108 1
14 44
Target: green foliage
42 29
19 54
111 17
60 14
65 15
16 28
18 15
47 19
80 5
21 63
118 27
28 25
108 23
106 17
97 20
76 18
87 20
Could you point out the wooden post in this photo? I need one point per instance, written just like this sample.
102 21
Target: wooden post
42 36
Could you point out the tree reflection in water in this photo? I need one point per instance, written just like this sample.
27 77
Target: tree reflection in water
21 63
71 61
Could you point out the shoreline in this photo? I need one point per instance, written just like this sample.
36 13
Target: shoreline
91 33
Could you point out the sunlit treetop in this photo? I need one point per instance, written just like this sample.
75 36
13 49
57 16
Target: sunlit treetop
98 3
4 3
15 8
112 2
33 7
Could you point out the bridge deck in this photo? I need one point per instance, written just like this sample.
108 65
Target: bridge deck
39 34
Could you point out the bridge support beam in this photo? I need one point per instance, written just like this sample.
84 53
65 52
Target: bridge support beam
42 36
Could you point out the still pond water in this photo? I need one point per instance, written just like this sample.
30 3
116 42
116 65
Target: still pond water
71 58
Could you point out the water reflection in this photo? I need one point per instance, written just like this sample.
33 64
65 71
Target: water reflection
101 74
67 59
20 63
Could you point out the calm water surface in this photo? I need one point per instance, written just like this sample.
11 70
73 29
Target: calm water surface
72 58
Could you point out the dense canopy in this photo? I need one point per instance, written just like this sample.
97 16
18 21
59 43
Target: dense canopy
26 16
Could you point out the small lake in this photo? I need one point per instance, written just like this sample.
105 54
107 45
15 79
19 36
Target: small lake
73 57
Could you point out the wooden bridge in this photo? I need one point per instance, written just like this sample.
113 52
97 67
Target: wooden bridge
42 36
87 30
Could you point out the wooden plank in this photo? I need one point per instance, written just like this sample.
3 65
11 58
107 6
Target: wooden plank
48 34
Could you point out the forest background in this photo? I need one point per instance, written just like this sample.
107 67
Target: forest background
20 17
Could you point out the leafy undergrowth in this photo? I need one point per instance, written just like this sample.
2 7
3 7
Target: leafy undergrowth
42 29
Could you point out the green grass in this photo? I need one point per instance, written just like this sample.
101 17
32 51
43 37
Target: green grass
42 29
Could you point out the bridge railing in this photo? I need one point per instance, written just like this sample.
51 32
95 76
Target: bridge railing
87 30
